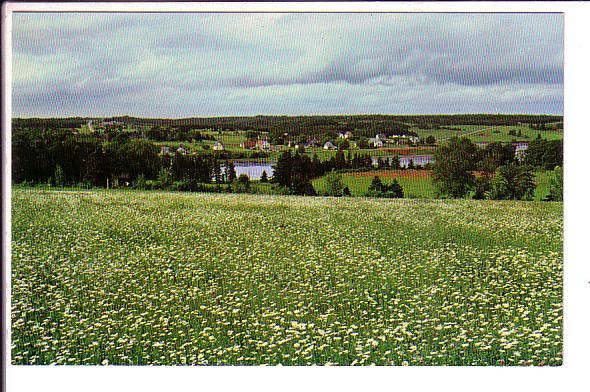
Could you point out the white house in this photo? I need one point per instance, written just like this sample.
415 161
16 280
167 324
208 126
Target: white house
262 144
218 146
404 139
164 150
181 150
329 146
376 142
520 150
312 143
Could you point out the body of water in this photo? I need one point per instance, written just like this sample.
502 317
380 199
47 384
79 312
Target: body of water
253 169
404 160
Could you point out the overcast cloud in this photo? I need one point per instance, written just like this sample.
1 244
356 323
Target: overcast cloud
181 65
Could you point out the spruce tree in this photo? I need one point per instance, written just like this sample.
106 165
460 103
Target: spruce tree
376 185
230 170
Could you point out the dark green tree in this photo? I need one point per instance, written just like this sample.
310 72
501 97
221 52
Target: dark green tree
334 185
495 155
544 154
264 176
482 186
376 185
513 182
241 184
430 140
343 144
282 169
140 182
59 176
230 171
165 178
394 190
340 160
453 166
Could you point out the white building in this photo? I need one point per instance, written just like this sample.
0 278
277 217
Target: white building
263 144
329 146
376 142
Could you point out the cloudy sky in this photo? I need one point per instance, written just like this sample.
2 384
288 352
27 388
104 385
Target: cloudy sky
181 65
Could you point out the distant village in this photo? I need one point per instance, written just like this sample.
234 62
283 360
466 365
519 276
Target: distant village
263 144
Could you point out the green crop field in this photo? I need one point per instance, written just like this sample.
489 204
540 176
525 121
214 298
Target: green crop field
178 278
495 134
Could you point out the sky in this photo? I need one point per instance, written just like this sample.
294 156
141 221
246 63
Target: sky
197 64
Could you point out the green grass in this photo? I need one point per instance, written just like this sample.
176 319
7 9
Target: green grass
230 139
178 278
497 134
414 187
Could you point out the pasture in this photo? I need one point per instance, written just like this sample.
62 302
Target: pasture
495 134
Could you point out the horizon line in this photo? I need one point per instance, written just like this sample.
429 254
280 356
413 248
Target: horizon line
290 115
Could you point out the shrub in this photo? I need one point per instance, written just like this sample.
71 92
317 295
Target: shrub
59 176
334 185
140 182
241 184
556 185
513 182
378 189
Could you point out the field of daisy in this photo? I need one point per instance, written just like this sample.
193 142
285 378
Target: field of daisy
133 278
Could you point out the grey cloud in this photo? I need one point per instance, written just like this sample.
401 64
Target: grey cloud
54 38
213 58
194 40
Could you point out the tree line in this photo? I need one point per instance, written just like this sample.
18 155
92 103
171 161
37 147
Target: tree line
494 172
304 126
460 167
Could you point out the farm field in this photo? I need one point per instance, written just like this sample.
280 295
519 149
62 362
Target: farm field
114 277
416 183
496 134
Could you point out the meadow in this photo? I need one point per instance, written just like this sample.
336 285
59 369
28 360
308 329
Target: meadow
132 278
495 134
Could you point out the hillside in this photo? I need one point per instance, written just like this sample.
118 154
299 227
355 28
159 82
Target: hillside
174 278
